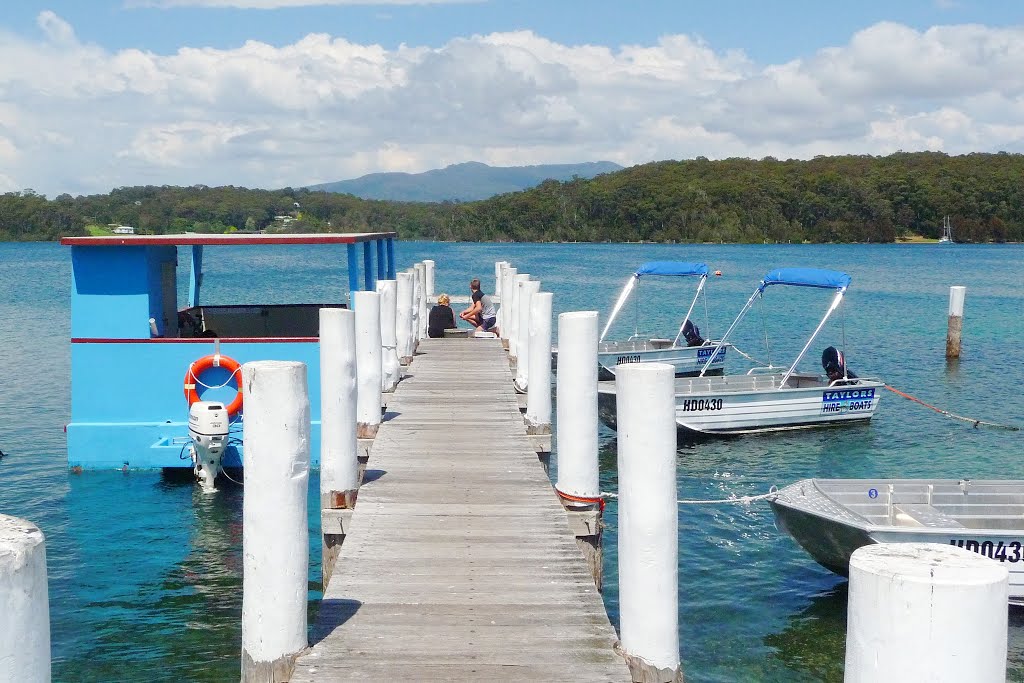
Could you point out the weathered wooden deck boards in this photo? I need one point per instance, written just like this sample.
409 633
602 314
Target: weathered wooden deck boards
460 564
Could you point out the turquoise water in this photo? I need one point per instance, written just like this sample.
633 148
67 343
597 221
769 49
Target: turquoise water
145 572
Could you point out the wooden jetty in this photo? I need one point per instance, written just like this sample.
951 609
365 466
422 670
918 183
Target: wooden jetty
459 563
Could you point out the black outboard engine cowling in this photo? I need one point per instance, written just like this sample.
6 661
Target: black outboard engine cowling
691 333
834 363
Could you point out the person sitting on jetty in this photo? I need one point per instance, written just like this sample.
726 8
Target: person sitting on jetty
481 313
441 317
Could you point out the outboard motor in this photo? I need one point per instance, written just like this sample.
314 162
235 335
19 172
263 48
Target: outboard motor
691 333
834 363
208 429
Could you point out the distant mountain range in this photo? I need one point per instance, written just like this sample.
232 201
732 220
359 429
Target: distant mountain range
461 182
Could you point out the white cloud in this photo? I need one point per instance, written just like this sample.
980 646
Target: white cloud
76 117
278 4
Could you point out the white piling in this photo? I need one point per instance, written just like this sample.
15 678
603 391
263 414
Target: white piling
421 301
576 387
24 603
428 278
956 321
390 365
499 268
368 363
648 520
926 612
339 463
526 291
508 280
513 339
538 398
275 527
404 316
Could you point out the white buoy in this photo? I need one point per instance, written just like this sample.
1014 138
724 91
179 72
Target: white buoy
956 321
428 275
368 363
339 462
404 316
513 339
390 365
526 291
576 387
926 612
648 519
538 399
275 526
508 280
421 301
24 603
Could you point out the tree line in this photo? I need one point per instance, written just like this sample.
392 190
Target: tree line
826 199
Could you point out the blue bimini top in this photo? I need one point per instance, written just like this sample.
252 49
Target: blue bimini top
676 268
807 277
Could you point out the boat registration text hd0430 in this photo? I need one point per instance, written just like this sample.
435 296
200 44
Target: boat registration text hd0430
627 359
846 400
996 550
694 404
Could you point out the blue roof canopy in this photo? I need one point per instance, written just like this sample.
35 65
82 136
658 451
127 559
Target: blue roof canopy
677 268
807 277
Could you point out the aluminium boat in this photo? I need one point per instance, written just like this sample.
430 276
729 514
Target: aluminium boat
831 518
772 398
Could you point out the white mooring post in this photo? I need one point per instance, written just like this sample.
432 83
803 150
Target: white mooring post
538 398
956 321
339 457
390 366
421 301
578 485
648 520
275 526
404 316
526 291
368 363
508 279
24 603
428 278
926 612
514 339
499 273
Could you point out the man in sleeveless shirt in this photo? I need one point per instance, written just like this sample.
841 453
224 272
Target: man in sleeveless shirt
481 313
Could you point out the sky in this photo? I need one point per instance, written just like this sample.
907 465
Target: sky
99 94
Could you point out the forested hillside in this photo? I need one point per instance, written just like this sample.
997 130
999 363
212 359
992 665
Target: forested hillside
827 199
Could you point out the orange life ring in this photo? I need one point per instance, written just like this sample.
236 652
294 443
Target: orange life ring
198 367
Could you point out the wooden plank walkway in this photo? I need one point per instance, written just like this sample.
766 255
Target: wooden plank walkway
460 564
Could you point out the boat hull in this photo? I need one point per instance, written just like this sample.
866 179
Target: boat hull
743 404
830 531
687 361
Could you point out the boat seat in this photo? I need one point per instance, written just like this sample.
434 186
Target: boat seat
926 515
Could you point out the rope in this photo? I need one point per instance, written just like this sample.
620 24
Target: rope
750 358
218 386
976 423
599 500
732 499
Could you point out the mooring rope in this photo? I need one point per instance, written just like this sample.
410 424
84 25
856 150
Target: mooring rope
748 357
976 423
733 499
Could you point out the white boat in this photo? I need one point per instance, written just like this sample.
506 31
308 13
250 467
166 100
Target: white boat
947 232
830 518
687 359
771 398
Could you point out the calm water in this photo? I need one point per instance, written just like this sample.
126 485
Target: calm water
145 573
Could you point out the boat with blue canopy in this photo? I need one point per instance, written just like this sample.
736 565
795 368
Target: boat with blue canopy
771 398
688 352
132 343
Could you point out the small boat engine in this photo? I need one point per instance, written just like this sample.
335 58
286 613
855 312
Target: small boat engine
208 429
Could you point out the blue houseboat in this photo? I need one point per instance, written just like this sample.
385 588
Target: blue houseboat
139 357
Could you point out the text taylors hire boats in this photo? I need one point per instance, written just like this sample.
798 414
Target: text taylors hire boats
131 345
687 359
831 518
768 398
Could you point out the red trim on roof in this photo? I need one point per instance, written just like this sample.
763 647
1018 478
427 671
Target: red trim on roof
194 239
197 340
